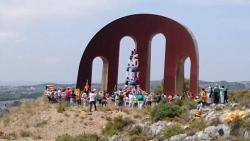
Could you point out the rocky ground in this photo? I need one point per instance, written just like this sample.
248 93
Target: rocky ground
40 120
211 127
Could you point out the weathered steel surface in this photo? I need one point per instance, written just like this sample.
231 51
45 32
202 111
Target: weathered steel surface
180 44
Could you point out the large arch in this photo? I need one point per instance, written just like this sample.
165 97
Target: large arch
141 27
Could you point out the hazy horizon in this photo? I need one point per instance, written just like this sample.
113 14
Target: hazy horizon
29 83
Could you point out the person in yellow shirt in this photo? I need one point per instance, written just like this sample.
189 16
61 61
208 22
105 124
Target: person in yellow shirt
203 95
78 95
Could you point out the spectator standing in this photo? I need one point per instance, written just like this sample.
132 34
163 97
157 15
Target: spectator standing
92 99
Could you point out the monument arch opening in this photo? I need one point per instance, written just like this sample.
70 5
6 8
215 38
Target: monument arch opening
187 70
183 76
127 44
157 58
99 72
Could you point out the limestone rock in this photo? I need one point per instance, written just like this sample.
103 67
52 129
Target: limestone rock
115 138
159 126
178 137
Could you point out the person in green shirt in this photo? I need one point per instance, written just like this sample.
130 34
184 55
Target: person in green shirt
140 99
216 94
116 98
176 98
222 94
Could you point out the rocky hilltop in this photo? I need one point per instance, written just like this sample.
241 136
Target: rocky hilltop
40 120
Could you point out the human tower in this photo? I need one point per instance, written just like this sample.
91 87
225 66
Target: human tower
132 75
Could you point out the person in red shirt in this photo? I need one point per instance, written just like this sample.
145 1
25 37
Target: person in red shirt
67 93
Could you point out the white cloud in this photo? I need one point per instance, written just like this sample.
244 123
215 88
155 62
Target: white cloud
11 37
30 10
17 16
214 2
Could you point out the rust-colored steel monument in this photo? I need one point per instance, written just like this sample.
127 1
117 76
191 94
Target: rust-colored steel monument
180 45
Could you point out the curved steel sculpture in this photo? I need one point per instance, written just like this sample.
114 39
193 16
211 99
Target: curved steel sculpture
142 27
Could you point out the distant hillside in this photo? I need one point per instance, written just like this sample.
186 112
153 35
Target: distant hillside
229 85
246 83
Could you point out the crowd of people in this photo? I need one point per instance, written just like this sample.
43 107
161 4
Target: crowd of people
128 97
131 97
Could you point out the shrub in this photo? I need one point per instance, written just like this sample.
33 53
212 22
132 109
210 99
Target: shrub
138 138
10 136
115 125
28 107
238 120
197 125
41 124
86 137
165 110
137 116
240 139
126 111
218 109
146 110
173 130
6 120
214 122
65 137
137 130
235 127
24 133
242 97
82 137
246 124
36 136
61 107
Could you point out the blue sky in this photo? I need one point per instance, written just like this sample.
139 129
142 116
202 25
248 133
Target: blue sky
43 40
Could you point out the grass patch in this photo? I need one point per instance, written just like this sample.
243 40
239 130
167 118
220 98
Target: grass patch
82 137
138 138
115 125
214 122
242 97
66 115
137 116
126 111
41 124
241 139
65 137
6 120
61 107
246 123
103 109
218 109
10 136
173 130
137 130
36 136
24 133
146 110
28 107
197 125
